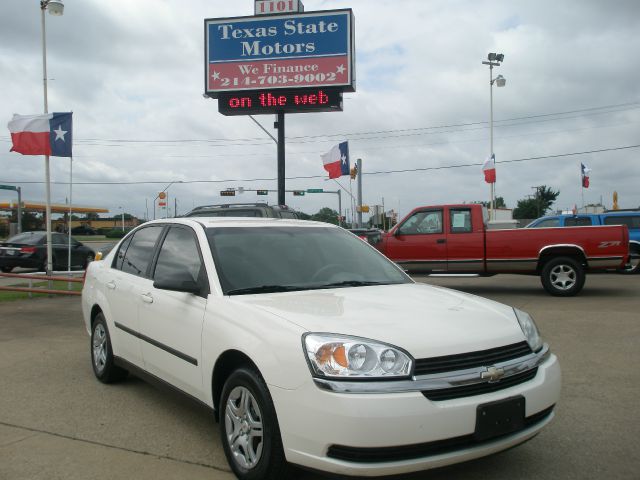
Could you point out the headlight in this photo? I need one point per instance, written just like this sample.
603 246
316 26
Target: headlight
341 356
529 329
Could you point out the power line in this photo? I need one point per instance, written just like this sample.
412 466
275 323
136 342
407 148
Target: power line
308 177
367 135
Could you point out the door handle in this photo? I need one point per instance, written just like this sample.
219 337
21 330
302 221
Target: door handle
441 240
146 297
111 285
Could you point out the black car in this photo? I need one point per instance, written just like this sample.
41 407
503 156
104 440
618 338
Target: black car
244 210
29 250
83 230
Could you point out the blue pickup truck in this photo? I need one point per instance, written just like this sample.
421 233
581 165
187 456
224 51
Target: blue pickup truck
629 218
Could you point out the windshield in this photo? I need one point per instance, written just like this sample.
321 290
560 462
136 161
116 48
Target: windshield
276 259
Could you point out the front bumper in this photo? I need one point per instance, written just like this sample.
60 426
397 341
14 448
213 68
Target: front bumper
319 426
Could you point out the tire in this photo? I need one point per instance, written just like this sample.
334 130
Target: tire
6 269
101 353
562 277
249 428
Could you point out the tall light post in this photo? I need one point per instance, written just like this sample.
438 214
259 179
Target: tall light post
494 60
56 8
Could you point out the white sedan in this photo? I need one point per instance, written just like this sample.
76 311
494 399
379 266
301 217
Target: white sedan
314 349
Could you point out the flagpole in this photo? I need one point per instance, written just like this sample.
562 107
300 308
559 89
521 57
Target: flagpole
46 157
582 185
70 210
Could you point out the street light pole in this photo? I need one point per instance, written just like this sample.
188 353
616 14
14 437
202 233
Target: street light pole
55 8
494 60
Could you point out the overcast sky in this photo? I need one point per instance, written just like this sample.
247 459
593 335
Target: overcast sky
132 72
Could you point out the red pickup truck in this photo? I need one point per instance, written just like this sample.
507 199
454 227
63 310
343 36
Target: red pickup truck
454 239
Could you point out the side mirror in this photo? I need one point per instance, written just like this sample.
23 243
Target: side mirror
178 282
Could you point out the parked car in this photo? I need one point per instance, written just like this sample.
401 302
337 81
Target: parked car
29 250
629 218
314 349
244 210
84 230
455 239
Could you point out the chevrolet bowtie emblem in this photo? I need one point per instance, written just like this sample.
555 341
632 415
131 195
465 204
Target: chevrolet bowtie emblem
492 374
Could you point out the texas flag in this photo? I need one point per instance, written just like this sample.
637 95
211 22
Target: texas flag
489 169
47 134
336 160
585 175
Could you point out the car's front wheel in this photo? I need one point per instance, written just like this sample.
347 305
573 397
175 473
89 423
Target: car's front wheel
6 269
249 428
104 367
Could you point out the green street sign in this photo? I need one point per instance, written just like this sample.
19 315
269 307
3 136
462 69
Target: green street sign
263 192
315 190
8 187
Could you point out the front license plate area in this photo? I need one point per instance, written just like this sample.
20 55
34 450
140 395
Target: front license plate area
499 418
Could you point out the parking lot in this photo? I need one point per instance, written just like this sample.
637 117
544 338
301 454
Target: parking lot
58 422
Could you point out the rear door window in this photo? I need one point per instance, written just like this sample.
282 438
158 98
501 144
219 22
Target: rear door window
577 222
631 221
460 220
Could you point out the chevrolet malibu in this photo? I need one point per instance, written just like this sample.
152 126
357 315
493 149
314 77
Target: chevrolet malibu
314 349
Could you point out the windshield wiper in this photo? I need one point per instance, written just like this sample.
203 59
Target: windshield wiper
351 283
265 289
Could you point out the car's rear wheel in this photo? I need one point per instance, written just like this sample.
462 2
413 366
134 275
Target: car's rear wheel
562 277
249 428
102 362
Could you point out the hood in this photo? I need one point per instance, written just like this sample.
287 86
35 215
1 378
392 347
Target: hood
426 321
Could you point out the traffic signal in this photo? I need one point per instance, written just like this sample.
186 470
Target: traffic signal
353 172
228 193
298 193
262 192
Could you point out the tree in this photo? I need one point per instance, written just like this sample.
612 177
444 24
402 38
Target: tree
536 206
92 216
326 215
30 221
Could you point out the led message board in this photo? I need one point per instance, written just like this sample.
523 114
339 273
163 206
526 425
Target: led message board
277 100
301 50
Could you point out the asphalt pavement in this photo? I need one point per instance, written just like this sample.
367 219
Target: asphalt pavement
58 422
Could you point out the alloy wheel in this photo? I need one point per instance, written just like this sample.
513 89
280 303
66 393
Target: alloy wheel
243 427
99 344
563 277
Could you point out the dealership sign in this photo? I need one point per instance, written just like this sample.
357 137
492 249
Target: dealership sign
289 51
